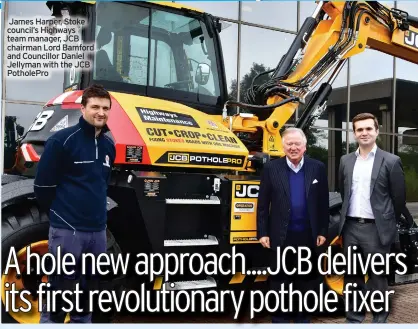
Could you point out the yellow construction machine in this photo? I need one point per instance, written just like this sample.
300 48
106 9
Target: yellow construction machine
189 159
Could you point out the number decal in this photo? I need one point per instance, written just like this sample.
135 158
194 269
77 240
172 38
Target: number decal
41 120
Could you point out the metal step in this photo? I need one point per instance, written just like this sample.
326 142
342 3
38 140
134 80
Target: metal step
210 240
211 200
209 282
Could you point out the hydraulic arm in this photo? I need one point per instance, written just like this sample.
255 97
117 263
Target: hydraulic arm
335 32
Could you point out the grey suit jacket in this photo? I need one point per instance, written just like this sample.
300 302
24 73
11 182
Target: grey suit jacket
387 191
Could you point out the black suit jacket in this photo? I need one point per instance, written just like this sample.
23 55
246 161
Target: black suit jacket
274 203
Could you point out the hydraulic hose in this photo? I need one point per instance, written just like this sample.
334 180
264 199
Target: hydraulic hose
262 107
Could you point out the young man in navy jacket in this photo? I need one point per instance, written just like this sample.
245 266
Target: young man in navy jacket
71 185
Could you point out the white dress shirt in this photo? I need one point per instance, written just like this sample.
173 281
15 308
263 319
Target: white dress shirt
293 167
359 205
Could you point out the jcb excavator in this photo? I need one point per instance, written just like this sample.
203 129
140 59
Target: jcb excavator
187 169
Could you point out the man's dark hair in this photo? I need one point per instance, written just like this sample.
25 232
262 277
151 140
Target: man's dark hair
95 91
365 116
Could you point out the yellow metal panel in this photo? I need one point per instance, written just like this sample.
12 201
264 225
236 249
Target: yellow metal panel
244 211
237 278
202 135
408 39
261 278
158 283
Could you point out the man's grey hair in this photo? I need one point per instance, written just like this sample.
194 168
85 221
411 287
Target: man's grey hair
293 130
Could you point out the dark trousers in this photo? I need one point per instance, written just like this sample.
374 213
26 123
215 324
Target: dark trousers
77 243
301 283
365 237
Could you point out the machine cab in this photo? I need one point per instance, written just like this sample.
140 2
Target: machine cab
156 50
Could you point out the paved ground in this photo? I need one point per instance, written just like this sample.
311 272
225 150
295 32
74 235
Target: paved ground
404 310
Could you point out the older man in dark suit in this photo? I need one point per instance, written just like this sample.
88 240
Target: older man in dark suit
293 208
373 190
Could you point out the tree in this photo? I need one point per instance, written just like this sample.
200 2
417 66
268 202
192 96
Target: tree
246 81
315 138
408 155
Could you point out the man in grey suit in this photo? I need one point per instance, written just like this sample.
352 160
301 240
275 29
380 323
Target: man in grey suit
372 186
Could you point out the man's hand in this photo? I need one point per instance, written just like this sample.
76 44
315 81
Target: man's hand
265 241
320 240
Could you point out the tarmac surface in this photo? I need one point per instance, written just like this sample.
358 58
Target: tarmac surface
404 308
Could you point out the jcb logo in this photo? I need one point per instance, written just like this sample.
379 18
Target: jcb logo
178 158
411 39
246 191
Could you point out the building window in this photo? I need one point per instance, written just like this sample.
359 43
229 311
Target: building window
281 15
226 9
335 114
371 78
407 150
327 146
306 9
406 121
382 141
406 116
259 54
229 41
